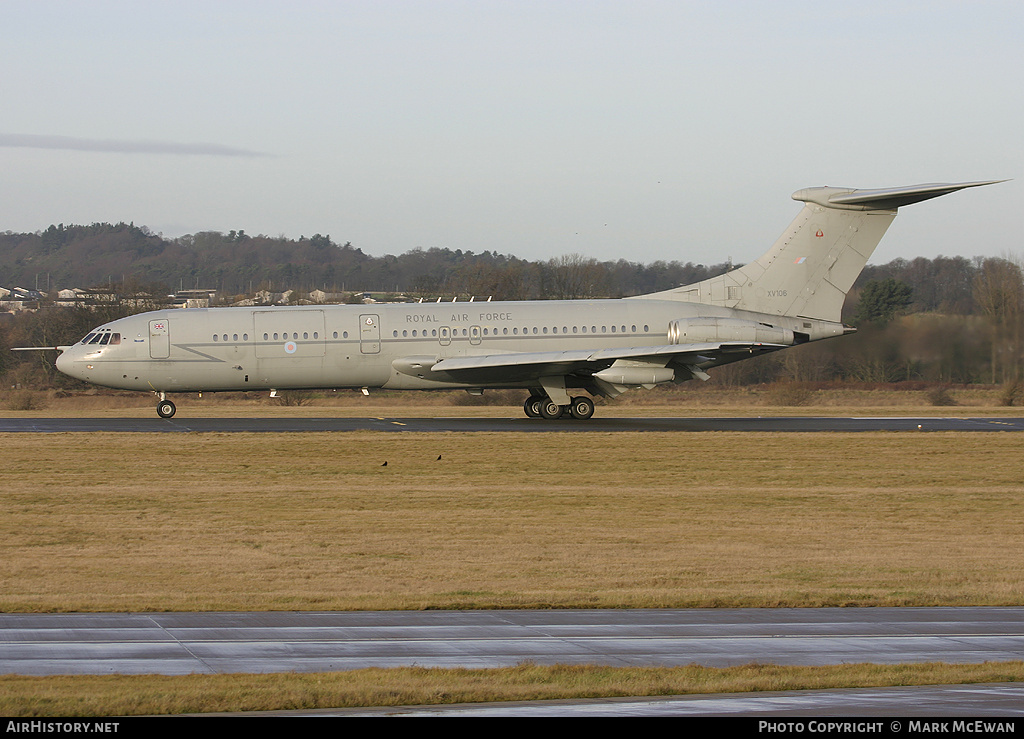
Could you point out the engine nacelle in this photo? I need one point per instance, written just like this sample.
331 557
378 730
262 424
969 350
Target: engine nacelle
709 329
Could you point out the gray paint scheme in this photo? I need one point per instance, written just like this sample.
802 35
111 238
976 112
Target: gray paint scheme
791 295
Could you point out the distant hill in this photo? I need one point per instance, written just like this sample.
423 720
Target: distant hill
237 263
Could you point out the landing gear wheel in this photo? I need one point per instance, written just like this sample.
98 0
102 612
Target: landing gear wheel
532 406
165 409
582 408
551 410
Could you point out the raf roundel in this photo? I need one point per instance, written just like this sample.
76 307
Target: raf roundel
290 347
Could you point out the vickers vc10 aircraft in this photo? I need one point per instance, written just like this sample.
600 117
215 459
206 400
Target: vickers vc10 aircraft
554 349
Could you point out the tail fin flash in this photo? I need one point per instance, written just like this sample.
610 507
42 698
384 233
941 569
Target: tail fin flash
812 266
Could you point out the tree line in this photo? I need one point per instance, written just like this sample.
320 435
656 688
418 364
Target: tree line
236 263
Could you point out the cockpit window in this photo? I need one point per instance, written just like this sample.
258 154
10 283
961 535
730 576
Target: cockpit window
102 337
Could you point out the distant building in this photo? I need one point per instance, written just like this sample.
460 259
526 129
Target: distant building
19 298
192 298
96 296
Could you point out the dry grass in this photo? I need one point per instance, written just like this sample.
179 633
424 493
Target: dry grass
119 695
312 521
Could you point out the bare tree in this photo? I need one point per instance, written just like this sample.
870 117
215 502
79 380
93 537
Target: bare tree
574 276
999 294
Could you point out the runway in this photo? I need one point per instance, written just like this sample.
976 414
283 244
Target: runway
184 424
182 643
974 701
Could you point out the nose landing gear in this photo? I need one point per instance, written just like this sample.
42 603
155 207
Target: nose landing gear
165 408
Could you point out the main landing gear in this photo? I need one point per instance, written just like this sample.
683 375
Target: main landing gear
539 406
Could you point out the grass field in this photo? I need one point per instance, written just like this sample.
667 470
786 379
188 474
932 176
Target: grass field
313 521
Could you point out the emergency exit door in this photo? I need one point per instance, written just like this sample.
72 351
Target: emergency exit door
369 333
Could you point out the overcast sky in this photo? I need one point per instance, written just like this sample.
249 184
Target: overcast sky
639 130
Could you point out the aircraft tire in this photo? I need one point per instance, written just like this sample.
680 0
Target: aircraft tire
551 410
165 409
582 408
532 406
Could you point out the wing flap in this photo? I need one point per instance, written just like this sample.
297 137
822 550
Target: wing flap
568 362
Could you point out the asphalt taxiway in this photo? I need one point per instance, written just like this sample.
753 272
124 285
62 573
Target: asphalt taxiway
976 701
184 424
182 643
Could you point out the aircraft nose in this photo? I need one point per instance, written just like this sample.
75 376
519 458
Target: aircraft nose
66 362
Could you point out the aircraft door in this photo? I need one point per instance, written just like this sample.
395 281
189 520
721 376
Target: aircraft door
159 339
369 334
444 335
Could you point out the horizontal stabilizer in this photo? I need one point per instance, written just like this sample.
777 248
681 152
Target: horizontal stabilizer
889 198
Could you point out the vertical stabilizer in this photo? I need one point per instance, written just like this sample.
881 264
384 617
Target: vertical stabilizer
812 266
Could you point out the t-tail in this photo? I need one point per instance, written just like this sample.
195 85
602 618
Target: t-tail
809 270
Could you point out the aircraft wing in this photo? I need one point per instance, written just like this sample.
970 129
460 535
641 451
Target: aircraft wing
522 366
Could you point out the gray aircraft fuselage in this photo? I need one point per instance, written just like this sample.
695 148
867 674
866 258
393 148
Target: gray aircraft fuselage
372 346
